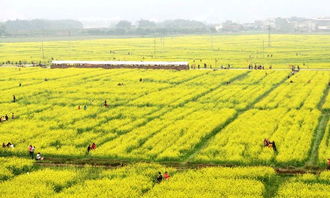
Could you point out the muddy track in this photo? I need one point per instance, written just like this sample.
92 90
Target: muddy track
111 164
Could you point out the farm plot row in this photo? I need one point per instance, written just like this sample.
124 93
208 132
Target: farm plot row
136 180
20 178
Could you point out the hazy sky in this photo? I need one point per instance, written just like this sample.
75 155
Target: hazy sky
203 10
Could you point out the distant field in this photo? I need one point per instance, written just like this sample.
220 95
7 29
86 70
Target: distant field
307 51
196 116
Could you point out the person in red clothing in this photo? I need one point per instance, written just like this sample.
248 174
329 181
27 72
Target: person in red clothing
266 142
166 176
93 146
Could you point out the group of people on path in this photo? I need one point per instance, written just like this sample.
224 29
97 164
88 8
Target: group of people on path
161 177
295 68
258 67
8 145
31 153
6 117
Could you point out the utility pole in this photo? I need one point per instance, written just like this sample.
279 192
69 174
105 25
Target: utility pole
154 47
42 49
42 45
212 42
263 48
70 46
162 40
269 41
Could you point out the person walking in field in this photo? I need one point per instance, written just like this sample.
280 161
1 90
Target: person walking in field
89 148
105 103
159 177
31 151
266 142
274 146
93 146
14 98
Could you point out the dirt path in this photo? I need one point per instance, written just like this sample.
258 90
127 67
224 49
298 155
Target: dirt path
319 132
111 164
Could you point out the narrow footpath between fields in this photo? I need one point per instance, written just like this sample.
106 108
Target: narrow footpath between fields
319 132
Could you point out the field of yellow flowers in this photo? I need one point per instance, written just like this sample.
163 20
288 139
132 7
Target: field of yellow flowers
139 180
194 116
197 115
307 51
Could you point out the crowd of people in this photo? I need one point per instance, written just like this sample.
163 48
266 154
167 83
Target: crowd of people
258 67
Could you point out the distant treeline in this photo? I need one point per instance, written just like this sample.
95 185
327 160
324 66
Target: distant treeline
178 26
40 27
